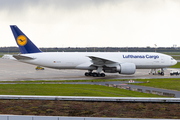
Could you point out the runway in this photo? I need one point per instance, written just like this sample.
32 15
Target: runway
11 70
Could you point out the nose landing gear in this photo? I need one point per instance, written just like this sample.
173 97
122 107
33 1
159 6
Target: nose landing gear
160 72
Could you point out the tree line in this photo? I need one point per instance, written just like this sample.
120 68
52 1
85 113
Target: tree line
96 49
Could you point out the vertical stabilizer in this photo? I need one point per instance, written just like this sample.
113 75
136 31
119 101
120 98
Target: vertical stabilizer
25 44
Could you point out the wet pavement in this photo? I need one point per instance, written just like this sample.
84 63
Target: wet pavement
11 70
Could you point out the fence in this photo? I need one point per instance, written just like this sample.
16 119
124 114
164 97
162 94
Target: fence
21 117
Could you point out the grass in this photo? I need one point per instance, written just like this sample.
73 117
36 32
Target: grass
165 83
176 57
172 53
169 83
68 90
64 81
88 109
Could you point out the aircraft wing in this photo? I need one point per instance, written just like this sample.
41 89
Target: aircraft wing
21 57
99 61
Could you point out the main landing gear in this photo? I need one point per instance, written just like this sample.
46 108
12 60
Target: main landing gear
94 74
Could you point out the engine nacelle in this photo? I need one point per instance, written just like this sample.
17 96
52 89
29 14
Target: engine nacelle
127 68
124 68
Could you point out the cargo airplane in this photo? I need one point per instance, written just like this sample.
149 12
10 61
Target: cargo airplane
101 62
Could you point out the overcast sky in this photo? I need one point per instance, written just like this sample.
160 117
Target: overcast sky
92 23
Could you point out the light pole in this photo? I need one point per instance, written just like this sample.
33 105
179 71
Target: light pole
155 47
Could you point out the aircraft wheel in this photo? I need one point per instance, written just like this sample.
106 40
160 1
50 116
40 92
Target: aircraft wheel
90 74
102 75
98 75
162 73
86 74
94 74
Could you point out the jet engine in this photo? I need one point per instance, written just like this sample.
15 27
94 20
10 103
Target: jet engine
124 68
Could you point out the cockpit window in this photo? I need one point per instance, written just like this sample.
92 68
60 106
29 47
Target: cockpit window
172 59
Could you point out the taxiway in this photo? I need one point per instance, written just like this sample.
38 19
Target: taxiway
11 70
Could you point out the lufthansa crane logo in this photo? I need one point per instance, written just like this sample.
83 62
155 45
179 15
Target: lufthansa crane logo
21 40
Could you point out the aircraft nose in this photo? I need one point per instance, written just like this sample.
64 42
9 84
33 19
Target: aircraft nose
175 62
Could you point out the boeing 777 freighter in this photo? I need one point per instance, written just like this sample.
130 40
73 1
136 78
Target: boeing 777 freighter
102 62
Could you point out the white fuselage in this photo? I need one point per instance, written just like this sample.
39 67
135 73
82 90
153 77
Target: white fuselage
80 60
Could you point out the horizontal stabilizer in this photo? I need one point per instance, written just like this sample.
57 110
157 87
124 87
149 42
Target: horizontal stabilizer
21 57
7 56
